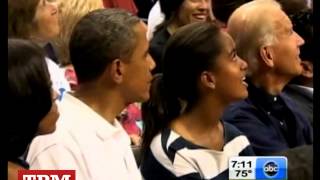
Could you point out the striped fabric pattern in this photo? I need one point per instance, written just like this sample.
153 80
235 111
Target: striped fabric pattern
172 157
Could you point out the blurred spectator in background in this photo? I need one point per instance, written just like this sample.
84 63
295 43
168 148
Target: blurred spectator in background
128 5
177 14
129 119
71 11
37 20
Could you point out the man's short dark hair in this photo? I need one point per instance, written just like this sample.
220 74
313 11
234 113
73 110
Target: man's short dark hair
99 38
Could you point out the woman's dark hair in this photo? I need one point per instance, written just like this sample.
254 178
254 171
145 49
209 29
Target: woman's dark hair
169 8
293 6
29 93
21 14
222 9
190 51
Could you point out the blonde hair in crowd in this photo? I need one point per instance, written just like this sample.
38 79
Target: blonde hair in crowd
71 11
253 25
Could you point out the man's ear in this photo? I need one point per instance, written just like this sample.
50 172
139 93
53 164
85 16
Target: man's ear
307 69
208 80
266 54
116 71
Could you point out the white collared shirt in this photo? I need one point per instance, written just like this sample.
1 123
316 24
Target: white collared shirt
86 142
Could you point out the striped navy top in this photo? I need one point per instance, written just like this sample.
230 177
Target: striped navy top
170 156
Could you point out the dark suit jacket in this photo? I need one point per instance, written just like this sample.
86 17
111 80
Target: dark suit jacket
303 98
263 129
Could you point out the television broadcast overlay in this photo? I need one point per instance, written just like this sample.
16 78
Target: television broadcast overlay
258 167
46 175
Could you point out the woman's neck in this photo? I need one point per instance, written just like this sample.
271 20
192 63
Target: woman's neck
173 27
201 126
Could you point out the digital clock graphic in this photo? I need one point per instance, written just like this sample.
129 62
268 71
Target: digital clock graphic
258 167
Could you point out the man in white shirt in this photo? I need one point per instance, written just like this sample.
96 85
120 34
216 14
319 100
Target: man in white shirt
109 51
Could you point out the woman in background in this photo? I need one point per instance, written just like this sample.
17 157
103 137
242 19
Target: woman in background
70 12
184 137
31 107
37 20
177 13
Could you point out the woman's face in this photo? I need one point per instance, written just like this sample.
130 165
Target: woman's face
46 20
194 11
48 124
229 72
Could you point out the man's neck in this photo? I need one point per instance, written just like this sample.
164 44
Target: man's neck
106 104
271 83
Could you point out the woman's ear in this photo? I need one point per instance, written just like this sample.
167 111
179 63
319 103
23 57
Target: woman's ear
208 80
266 54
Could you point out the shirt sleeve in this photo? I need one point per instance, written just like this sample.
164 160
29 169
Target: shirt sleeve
59 157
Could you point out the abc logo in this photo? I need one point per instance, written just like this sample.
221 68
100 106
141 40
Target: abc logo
270 168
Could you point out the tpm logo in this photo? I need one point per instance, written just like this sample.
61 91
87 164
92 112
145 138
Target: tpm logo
271 167
46 175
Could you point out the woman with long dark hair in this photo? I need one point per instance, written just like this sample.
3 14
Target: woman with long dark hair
31 107
183 136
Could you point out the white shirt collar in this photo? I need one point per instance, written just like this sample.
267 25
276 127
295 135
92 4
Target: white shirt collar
89 118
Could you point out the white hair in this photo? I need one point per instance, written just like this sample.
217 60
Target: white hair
252 26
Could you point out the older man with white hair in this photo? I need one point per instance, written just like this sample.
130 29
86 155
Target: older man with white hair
265 39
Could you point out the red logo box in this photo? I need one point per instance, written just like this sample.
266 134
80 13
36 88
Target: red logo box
46 175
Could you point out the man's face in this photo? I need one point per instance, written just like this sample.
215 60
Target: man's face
286 49
137 76
193 11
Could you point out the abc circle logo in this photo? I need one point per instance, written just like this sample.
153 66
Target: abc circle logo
271 169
